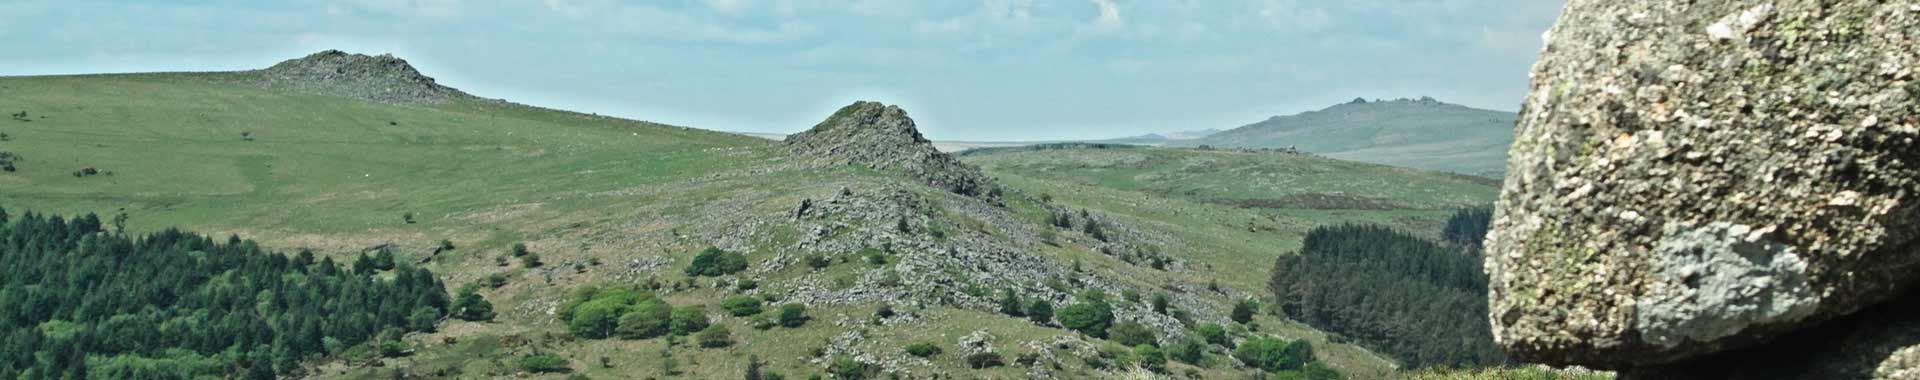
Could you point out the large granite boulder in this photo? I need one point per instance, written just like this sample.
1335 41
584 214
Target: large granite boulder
1695 177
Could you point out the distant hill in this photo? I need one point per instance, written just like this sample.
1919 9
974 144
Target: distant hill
955 146
1163 138
1424 134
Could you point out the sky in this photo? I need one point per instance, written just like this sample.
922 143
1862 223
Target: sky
981 70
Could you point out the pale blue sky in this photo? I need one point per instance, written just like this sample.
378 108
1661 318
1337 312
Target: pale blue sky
965 69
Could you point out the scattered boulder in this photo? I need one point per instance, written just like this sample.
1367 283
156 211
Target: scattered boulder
882 137
383 78
1699 177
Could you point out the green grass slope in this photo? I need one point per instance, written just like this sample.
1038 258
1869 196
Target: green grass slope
612 201
1238 210
1424 134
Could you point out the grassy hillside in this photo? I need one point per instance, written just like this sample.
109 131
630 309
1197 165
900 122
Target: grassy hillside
611 201
1424 133
1238 210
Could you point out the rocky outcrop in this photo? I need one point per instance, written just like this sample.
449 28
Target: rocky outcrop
382 78
1694 178
882 137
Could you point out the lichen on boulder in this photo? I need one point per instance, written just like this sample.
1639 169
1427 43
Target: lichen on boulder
1693 177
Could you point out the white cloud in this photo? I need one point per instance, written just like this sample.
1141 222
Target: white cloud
948 26
1009 10
1109 18
728 6
428 8
1292 16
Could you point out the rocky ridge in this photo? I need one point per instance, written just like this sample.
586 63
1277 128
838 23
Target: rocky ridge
1696 187
383 78
882 137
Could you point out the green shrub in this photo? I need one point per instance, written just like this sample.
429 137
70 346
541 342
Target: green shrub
394 348
713 262
1132 334
1189 350
1010 304
1214 334
1274 355
985 360
470 306
1040 312
845 368
543 363
763 321
1150 357
593 312
818 262
793 315
1243 311
496 280
923 349
1092 316
715 336
423 318
689 319
650 319
741 306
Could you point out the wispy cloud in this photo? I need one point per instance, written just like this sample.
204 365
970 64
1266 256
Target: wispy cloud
1109 17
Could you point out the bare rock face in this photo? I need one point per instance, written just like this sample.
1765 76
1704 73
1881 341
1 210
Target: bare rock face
1697 177
382 78
882 137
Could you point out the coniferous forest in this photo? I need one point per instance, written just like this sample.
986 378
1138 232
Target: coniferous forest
78 301
1421 302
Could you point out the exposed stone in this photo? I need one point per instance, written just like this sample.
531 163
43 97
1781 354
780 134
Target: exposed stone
882 137
382 78
1693 177
1882 342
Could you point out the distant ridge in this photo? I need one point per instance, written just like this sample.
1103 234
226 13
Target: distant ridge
1419 133
383 78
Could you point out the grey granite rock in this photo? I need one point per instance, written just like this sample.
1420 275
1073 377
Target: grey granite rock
1692 177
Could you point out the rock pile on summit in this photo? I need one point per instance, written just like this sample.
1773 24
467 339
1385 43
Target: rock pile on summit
882 137
382 78
1717 189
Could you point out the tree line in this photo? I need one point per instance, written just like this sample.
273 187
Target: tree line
78 302
1419 301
